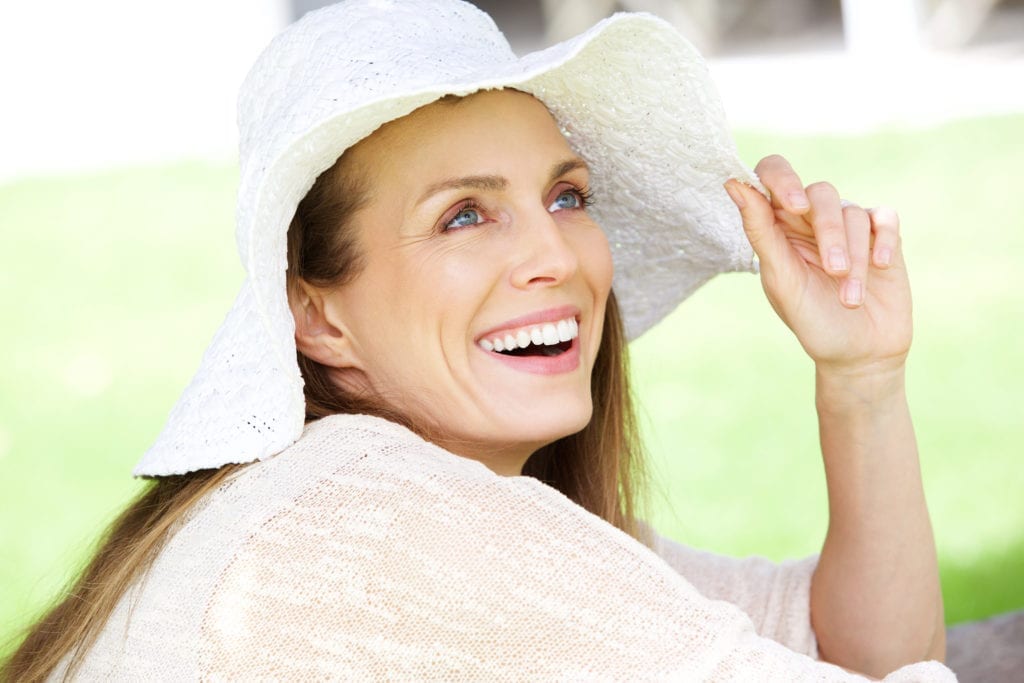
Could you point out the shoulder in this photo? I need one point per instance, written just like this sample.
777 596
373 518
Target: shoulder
340 443
346 468
352 451
392 547
357 495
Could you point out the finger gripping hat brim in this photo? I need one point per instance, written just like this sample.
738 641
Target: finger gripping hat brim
633 98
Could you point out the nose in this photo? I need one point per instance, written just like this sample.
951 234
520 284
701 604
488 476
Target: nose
543 257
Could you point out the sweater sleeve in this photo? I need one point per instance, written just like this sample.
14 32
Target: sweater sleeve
388 570
776 596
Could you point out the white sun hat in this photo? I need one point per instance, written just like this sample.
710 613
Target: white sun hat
632 96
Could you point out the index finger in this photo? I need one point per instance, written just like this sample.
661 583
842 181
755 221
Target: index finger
783 183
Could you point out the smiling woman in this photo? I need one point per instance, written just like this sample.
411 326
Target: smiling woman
410 450
442 316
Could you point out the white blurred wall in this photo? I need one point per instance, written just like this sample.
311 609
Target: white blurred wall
97 83
94 83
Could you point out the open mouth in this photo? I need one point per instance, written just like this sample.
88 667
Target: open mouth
544 340
532 350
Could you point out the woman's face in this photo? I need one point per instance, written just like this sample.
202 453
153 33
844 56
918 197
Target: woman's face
475 239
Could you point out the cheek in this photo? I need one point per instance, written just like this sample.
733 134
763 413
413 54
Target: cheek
454 279
413 313
596 261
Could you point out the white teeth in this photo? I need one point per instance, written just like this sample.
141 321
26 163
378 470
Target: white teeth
547 334
550 335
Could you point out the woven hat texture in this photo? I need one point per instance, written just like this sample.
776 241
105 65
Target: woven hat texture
632 96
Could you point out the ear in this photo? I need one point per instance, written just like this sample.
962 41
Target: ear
318 334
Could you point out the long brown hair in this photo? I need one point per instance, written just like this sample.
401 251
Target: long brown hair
601 467
127 549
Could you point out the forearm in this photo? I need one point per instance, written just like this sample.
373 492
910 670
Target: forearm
875 598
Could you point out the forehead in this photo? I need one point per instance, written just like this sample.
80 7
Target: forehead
451 132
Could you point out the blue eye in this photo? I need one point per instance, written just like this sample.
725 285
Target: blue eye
464 218
569 199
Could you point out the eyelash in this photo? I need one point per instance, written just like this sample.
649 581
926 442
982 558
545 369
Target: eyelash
585 194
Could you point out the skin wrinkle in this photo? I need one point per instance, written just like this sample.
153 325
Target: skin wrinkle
414 346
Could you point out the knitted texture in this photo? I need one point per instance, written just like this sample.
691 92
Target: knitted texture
366 553
632 96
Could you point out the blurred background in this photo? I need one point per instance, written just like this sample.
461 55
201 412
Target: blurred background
117 263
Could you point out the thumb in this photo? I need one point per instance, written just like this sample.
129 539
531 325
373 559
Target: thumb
758 222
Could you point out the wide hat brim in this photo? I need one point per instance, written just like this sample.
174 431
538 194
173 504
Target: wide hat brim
632 96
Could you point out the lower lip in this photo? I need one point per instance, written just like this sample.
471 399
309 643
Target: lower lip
567 361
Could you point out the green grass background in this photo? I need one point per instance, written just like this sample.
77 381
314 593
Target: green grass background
113 284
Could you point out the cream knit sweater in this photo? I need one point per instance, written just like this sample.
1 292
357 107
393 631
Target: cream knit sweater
364 552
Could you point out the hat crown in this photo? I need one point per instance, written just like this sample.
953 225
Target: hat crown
342 57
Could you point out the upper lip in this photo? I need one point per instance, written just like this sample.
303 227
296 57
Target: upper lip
548 315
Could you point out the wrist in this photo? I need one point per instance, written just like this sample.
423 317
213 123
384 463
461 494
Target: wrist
865 388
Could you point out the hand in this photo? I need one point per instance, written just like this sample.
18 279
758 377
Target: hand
832 271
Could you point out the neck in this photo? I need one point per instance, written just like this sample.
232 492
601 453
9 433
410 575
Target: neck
505 462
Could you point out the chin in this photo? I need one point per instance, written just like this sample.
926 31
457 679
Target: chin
545 427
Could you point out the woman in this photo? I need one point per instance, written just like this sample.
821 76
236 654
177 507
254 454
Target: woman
415 220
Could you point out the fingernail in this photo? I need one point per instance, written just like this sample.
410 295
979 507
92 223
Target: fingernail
854 292
798 200
884 256
734 192
837 258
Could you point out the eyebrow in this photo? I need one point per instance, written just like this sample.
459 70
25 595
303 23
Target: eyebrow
567 166
496 183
